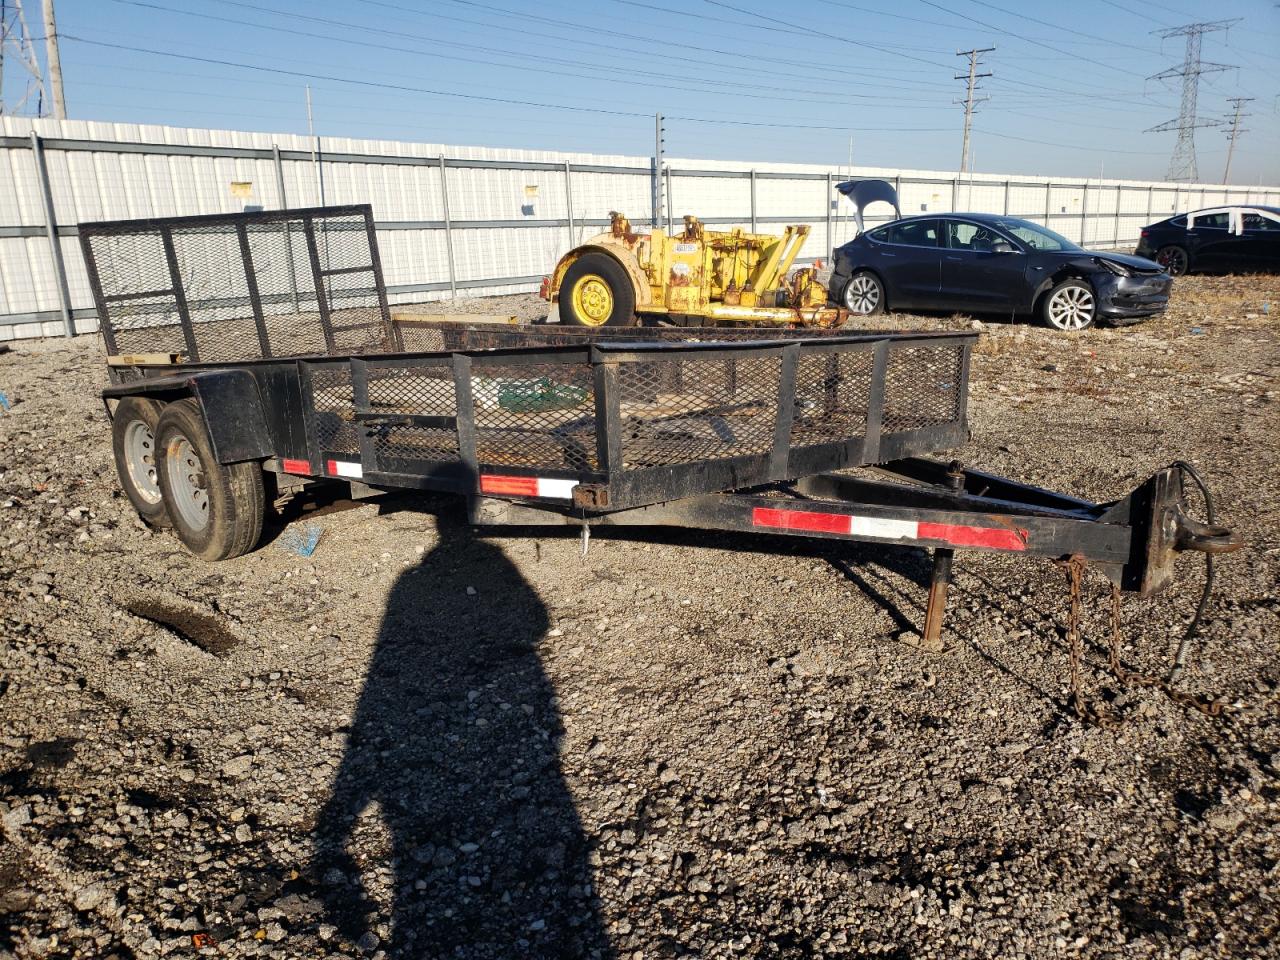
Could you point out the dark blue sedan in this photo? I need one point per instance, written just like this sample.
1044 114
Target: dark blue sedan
984 263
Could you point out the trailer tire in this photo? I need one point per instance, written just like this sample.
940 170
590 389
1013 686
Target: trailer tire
133 442
596 292
216 509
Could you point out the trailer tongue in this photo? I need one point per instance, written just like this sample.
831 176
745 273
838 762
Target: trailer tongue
246 365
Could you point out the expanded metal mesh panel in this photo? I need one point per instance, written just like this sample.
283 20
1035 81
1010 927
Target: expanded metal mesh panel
833 391
923 387
333 410
421 389
682 409
240 286
534 414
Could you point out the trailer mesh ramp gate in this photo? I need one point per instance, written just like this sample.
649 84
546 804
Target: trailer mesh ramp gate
233 287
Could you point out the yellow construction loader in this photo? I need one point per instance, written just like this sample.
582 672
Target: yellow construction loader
698 277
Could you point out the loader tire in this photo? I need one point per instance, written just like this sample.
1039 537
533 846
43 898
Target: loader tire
216 509
596 292
133 441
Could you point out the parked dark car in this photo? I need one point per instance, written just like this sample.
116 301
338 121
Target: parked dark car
984 263
1239 239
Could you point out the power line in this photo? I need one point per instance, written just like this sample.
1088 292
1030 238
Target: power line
785 94
382 85
1182 165
972 79
1024 38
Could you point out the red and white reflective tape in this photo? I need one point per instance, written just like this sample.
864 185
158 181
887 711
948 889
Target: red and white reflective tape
295 466
878 528
549 487
345 468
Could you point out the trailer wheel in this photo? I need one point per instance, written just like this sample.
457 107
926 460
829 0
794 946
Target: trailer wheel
864 294
216 509
133 441
597 292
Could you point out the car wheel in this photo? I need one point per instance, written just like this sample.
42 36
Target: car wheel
1070 306
1174 259
597 292
864 294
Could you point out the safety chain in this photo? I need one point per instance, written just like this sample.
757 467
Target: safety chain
1096 713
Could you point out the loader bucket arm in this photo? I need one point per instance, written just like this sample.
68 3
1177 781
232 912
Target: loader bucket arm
863 193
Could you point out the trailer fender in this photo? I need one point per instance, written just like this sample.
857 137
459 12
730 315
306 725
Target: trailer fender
616 248
229 401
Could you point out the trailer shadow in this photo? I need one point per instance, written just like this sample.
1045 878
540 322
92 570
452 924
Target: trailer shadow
451 781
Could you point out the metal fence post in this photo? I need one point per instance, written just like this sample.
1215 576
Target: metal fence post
448 228
1115 238
830 237
1084 215
1151 190
1006 198
51 231
955 193
288 238
1048 201
279 165
753 200
568 199
670 201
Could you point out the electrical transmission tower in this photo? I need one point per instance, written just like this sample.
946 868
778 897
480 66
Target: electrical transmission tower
16 47
1182 166
1235 131
972 78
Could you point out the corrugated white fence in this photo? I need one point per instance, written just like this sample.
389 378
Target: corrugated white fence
466 220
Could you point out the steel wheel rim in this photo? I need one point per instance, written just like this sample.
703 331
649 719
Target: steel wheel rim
593 300
140 460
862 295
190 496
1071 308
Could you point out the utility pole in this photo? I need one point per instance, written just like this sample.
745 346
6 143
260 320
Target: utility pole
969 102
15 44
1182 165
1235 132
659 139
55 64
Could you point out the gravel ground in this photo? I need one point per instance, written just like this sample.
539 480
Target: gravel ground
424 741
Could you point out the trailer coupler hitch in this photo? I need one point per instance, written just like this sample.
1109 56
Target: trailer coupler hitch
1187 533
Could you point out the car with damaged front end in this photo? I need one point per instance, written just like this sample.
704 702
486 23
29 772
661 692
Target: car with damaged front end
988 263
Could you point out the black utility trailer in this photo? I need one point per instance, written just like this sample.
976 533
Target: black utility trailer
260 346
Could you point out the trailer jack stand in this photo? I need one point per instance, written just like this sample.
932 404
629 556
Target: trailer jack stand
937 608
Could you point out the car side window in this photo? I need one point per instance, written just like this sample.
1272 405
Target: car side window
1215 221
1255 221
880 234
915 233
969 236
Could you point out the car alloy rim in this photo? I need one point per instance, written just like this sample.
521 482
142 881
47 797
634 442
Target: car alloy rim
187 482
862 295
140 459
1071 308
1172 260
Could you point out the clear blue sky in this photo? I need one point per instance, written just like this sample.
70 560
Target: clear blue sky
1069 93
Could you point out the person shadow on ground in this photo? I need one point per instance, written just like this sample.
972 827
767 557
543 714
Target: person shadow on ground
454 746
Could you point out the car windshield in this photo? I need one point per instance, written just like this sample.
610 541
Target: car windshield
1035 236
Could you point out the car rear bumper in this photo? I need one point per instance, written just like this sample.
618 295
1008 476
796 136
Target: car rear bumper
1131 298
